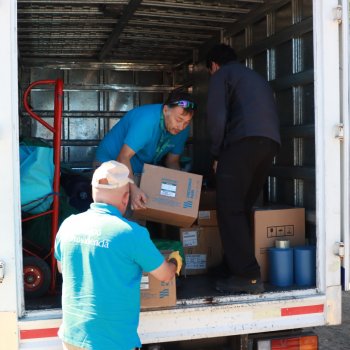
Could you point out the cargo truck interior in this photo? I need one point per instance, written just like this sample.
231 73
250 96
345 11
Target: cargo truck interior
114 55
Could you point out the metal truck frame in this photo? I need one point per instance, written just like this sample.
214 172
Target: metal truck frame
226 315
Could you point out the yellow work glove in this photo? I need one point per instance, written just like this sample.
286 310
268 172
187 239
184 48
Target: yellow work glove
175 258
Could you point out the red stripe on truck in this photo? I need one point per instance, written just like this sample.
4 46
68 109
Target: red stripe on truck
39 333
301 310
288 311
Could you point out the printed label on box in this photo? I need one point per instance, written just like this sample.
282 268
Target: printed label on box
144 282
196 261
190 239
204 214
168 189
271 232
164 293
187 204
190 192
290 230
280 231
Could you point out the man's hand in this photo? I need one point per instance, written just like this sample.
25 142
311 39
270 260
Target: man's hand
175 258
172 161
215 165
59 266
138 198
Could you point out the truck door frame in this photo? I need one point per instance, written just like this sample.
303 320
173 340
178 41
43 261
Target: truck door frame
345 144
11 288
328 161
327 113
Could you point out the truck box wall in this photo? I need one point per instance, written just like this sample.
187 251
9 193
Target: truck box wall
294 178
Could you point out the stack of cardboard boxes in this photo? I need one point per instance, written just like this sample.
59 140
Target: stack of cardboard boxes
201 242
175 198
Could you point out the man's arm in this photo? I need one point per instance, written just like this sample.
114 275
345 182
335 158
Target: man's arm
124 156
59 266
165 272
216 112
169 268
172 161
138 198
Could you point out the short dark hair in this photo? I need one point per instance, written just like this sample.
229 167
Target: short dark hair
221 54
176 97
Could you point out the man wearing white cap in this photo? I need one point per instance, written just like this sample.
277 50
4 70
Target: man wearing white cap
101 256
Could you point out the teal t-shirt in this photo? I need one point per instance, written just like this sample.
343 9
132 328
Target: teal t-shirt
102 256
141 130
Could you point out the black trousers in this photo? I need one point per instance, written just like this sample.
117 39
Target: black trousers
242 170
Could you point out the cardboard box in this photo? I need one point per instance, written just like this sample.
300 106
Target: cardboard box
173 196
275 223
207 218
156 294
202 248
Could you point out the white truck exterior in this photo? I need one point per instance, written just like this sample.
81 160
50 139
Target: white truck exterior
227 315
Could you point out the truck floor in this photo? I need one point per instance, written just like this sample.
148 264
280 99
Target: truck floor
189 287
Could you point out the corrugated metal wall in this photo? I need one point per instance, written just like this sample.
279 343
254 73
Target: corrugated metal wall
95 98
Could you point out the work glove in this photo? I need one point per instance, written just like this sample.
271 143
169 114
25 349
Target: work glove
175 258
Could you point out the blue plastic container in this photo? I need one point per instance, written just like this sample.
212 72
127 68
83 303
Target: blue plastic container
281 266
305 266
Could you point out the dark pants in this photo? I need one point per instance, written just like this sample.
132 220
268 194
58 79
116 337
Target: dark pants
242 170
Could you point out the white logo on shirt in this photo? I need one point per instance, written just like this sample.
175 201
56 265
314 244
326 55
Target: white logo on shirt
91 238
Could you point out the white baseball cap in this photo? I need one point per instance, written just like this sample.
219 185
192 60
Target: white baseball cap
117 175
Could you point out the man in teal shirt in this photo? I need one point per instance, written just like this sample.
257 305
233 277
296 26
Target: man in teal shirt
149 134
101 256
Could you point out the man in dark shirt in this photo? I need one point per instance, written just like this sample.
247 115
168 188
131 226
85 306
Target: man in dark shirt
244 131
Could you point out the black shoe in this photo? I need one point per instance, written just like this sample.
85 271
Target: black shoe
237 284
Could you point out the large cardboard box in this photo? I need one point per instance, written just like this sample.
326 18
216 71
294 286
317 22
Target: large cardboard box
156 294
202 248
272 223
173 196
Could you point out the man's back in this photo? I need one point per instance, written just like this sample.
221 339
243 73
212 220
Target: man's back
240 104
102 257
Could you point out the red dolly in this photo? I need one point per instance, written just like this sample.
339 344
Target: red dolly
35 270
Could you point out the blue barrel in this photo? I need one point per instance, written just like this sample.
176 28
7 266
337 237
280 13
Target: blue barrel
305 266
281 266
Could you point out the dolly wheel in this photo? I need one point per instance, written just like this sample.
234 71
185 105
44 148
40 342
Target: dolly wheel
36 276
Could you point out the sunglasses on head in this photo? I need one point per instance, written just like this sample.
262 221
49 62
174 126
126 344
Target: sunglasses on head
184 104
